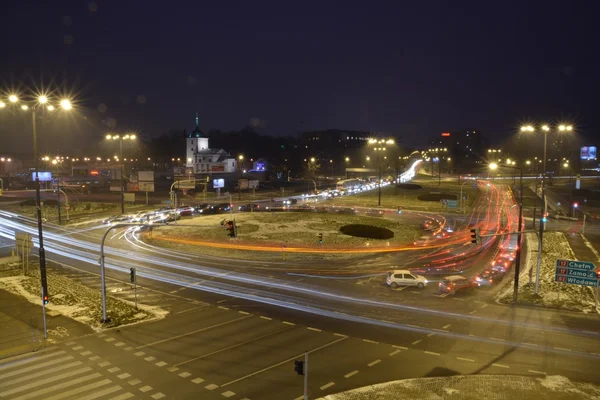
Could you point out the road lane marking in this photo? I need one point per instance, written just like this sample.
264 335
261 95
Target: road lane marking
339 334
472 312
533 371
433 353
189 309
430 334
145 389
244 312
123 375
212 386
233 346
197 380
313 329
223 308
446 326
413 326
150 358
465 359
399 347
393 353
417 341
184 374
139 353
134 382
267 318
529 344
194 332
370 341
374 362
157 395
500 365
561 348
228 394
328 385
283 362
288 323
498 339
349 374
160 364
222 301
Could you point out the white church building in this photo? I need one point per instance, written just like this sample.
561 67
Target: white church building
202 159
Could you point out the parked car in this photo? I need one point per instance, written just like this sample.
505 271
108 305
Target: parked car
489 277
201 207
186 211
223 206
456 283
210 210
402 277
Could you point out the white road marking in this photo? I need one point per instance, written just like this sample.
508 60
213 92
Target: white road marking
85 353
41 382
561 348
267 318
313 329
189 309
374 362
145 389
134 382
77 348
288 323
399 347
123 375
533 371
484 306
194 332
528 344
123 396
108 339
430 334
283 362
104 392
197 380
500 365
139 353
370 341
465 359
446 326
119 344
339 334
172 369
432 353
184 374
223 308
222 301
328 385
349 374
244 312
157 395
228 394
36 366
393 353
103 364
150 358
498 339
417 341
114 369
212 386
81 389
160 364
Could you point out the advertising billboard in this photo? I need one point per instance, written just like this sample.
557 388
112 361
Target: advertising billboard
587 153
253 184
243 184
146 176
44 176
217 168
218 183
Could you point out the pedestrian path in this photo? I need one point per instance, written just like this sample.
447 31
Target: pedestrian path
64 372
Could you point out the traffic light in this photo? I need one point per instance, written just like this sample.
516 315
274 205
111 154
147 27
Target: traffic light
299 367
399 210
475 237
320 238
45 299
132 275
575 205
545 217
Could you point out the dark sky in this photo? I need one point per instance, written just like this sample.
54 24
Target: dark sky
409 68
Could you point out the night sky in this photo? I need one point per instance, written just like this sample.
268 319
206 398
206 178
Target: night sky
412 69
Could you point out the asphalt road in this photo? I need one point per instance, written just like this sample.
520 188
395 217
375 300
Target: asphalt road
236 326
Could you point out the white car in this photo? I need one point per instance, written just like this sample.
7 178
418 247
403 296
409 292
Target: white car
402 277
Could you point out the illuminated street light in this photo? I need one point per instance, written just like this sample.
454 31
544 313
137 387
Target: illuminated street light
566 165
508 161
241 157
312 159
368 158
493 166
24 107
12 98
545 128
66 104
527 162
50 107
43 99
2 105
347 158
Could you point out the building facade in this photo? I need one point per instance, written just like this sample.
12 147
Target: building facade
201 159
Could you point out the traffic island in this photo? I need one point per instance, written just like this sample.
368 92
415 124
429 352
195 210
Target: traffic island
287 235
551 294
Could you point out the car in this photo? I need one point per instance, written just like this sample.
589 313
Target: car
223 207
210 210
488 277
507 255
290 201
248 207
185 211
456 283
501 265
117 219
346 210
201 207
373 212
401 277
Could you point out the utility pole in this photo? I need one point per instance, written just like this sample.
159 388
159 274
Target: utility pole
58 199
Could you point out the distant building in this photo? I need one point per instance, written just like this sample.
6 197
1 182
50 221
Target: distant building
202 159
465 147
335 138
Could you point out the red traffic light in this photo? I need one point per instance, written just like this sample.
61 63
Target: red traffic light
45 299
575 205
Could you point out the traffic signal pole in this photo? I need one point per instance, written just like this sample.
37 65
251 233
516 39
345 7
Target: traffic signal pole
306 376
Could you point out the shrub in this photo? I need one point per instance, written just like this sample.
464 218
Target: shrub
366 231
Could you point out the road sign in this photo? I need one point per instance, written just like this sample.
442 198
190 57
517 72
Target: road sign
452 203
68 207
576 272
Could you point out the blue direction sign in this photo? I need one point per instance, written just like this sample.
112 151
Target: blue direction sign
452 203
576 272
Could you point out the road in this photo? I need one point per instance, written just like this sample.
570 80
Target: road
236 326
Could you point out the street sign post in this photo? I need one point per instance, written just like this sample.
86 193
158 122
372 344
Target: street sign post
576 273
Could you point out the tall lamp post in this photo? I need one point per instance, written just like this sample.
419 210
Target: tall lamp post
494 166
41 102
120 139
545 130
379 150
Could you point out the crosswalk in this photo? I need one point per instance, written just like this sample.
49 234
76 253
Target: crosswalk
57 375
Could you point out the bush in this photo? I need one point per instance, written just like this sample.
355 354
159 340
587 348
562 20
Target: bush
367 231
47 202
410 186
437 197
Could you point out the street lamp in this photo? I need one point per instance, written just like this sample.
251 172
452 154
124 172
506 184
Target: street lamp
120 139
545 130
379 152
41 102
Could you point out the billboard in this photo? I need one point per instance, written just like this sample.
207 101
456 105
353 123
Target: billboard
243 184
145 176
253 184
146 186
217 168
218 183
587 153
44 176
